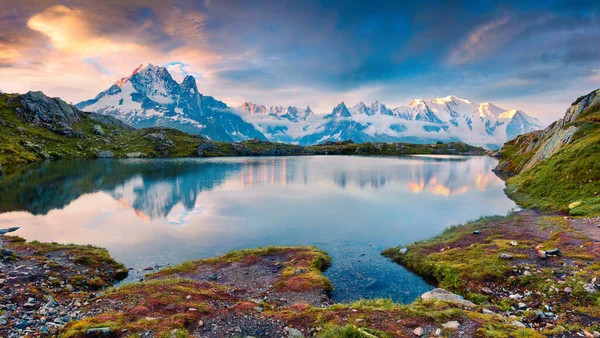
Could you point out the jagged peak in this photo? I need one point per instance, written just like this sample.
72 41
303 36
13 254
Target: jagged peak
416 102
450 99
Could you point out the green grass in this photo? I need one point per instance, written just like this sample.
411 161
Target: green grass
570 175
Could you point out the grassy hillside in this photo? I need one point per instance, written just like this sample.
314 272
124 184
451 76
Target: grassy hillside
569 178
22 141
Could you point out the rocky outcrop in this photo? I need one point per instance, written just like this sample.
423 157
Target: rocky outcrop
58 116
160 141
527 150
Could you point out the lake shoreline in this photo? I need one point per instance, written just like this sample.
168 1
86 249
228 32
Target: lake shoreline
215 297
259 148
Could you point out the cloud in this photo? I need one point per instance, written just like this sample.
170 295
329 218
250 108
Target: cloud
481 42
185 24
69 30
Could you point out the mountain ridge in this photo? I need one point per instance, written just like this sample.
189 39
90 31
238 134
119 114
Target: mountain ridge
149 97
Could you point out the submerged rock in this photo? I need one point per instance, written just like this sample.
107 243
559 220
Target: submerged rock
446 296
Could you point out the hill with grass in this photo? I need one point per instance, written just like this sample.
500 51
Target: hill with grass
558 168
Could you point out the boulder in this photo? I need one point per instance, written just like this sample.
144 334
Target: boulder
505 256
160 141
402 251
97 129
447 296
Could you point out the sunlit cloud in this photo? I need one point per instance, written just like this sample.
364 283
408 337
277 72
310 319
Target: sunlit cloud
69 30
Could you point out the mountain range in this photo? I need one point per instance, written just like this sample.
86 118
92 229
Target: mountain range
151 97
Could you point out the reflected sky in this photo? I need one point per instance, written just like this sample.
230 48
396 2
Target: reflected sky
148 212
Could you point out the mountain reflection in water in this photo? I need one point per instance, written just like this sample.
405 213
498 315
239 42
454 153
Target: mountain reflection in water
148 212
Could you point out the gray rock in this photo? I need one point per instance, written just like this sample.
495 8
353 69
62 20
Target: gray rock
97 129
294 332
487 290
402 251
206 145
446 296
505 256
518 324
105 154
99 330
553 252
160 141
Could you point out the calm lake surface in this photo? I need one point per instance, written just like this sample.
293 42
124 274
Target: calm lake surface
158 212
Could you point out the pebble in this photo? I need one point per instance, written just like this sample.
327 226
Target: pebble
418 331
451 325
487 290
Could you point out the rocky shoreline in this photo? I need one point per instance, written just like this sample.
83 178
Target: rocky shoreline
538 272
280 291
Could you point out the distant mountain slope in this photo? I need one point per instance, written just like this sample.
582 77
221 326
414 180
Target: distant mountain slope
558 168
443 119
150 97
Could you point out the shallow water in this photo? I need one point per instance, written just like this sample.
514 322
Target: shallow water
158 212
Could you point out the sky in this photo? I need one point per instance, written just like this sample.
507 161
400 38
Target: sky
537 56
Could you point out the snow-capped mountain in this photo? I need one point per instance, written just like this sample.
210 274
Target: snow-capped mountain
150 97
442 119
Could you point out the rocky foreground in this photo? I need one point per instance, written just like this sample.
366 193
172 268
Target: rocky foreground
514 283
273 292
539 273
